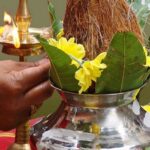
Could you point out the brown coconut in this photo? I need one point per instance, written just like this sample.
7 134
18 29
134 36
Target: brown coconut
94 22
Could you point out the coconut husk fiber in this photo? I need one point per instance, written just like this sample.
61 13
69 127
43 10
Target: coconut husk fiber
94 22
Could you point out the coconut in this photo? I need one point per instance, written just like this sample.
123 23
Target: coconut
94 22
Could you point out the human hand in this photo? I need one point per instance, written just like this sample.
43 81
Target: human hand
22 84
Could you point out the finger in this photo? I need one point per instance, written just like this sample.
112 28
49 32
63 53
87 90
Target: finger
30 77
38 94
24 65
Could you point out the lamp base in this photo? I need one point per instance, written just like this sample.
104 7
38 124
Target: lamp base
19 147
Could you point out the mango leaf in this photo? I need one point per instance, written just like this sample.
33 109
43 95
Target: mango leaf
52 10
62 72
57 24
125 62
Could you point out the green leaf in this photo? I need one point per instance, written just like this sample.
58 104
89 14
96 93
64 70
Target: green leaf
62 72
125 62
52 10
57 24
144 95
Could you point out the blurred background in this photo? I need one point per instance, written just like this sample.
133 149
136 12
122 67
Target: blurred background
38 10
40 18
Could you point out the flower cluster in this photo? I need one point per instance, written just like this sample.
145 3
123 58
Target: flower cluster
69 47
88 71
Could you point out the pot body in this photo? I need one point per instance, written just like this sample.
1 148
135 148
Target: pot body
94 122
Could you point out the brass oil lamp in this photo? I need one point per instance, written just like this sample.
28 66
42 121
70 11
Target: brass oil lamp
27 44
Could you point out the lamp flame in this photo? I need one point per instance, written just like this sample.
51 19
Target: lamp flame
16 39
7 18
15 36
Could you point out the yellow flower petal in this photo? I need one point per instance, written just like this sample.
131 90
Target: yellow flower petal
100 57
103 66
147 57
148 61
52 42
71 40
145 51
146 108
135 94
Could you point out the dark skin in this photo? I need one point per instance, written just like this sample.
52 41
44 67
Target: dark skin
22 84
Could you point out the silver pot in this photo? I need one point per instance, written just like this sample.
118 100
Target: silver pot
94 122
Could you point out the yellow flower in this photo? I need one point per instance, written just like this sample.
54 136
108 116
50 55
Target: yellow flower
135 94
147 57
60 34
90 71
69 47
146 108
